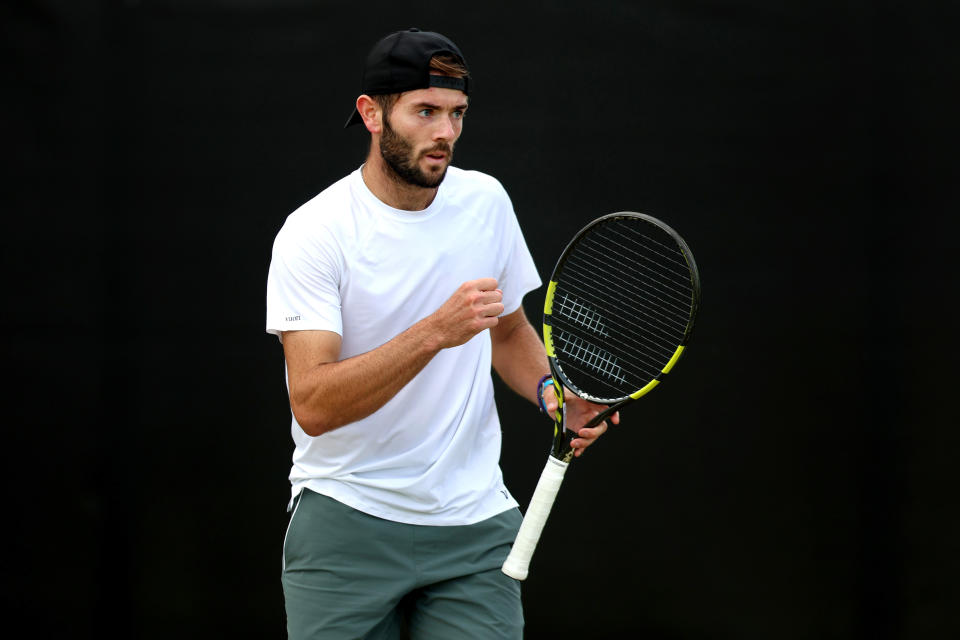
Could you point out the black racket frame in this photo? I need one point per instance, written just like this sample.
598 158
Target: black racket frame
562 437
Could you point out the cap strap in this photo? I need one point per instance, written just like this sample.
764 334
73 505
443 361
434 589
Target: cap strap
448 82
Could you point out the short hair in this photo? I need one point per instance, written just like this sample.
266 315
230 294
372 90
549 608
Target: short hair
447 65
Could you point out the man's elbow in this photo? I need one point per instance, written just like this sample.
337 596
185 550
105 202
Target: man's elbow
313 423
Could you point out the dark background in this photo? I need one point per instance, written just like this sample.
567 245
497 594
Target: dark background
795 478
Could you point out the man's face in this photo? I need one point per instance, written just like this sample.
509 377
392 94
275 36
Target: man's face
419 134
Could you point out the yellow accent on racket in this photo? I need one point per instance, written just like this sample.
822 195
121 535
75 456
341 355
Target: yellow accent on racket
673 360
548 340
548 301
650 385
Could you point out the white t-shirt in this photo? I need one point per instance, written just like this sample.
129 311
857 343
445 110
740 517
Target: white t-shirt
348 263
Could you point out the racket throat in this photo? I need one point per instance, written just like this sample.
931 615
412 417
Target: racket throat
562 437
561 445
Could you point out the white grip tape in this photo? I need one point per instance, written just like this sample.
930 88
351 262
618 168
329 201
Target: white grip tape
517 565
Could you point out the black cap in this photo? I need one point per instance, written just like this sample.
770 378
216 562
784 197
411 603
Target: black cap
401 62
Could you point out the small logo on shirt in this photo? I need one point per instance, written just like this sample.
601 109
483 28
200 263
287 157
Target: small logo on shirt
506 496
292 318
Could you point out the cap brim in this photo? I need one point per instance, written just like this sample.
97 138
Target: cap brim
354 119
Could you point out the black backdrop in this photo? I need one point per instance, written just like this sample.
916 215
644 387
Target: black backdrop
793 480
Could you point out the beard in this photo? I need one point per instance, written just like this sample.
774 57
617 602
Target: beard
399 155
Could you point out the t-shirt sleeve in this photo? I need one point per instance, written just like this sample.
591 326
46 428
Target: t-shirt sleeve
519 275
303 283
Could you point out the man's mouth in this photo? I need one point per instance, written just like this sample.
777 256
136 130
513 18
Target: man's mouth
437 155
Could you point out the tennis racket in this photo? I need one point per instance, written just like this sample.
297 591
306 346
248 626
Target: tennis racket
618 313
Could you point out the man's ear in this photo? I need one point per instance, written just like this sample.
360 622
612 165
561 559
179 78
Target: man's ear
371 113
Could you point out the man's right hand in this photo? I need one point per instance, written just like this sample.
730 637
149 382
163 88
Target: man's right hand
475 306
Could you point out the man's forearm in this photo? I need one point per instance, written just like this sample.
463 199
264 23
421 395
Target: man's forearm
333 394
518 355
326 392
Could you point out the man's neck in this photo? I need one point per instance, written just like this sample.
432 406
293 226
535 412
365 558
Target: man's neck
390 189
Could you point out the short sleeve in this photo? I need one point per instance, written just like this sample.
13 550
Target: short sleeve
303 283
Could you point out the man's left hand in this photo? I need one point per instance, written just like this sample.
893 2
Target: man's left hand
576 413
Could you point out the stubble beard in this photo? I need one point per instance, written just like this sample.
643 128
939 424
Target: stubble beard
399 155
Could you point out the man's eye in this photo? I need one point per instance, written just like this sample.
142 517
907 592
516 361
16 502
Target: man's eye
426 113
458 114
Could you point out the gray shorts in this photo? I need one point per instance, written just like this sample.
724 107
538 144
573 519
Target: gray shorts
349 575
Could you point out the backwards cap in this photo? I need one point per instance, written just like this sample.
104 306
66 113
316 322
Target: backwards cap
401 62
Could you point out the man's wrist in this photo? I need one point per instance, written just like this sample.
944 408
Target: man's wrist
544 382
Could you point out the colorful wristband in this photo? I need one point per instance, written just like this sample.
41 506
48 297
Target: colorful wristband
544 381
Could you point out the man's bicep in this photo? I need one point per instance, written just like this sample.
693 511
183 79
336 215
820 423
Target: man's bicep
304 350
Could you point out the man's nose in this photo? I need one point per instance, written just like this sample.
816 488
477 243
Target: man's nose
445 130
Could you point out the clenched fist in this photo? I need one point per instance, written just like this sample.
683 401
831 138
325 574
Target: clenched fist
473 307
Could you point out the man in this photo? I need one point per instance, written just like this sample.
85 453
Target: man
393 292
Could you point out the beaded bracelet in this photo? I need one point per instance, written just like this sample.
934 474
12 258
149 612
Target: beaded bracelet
544 381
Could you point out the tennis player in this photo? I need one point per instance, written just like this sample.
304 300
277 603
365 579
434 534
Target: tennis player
393 293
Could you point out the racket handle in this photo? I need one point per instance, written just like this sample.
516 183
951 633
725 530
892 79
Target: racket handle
517 565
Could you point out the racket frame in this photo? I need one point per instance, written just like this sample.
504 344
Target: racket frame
561 449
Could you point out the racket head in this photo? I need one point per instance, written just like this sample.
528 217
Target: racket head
620 307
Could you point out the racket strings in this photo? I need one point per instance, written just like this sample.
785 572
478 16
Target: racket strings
659 313
664 347
582 316
602 366
588 355
669 250
588 383
580 313
676 291
623 303
631 366
667 320
668 297
636 266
